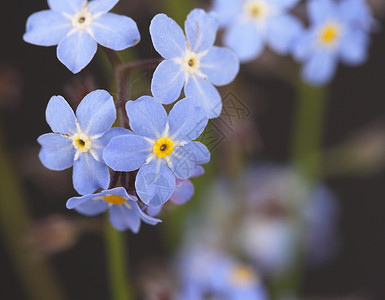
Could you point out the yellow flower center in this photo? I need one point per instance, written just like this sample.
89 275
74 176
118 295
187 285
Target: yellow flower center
82 20
256 10
243 276
329 34
81 142
114 199
163 147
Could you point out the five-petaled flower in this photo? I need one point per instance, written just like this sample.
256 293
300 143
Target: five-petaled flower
250 24
124 211
161 147
334 34
76 26
191 61
79 140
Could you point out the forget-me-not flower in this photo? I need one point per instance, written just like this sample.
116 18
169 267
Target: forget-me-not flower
124 211
161 147
79 140
191 61
77 26
250 24
333 35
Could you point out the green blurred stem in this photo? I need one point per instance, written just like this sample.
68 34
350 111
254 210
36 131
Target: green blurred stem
116 253
35 274
178 9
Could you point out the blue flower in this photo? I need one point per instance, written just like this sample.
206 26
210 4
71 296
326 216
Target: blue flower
333 35
193 62
124 211
79 140
161 148
250 24
76 26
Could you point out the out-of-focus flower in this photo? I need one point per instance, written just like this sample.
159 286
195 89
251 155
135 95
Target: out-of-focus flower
161 147
338 31
250 24
77 26
191 61
79 140
124 211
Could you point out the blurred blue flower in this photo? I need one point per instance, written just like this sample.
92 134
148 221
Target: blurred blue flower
76 26
161 148
250 24
193 62
338 31
79 140
124 211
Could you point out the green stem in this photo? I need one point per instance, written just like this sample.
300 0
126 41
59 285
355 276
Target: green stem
36 276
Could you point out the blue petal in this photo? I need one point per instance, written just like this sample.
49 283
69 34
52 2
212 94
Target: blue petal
320 68
184 190
126 153
100 143
146 218
57 152
186 120
357 13
101 6
201 29
115 31
205 95
60 116
155 182
90 207
185 159
320 11
285 4
96 112
46 28
353 47
76 50
281 32
167 37
167 81
66 6
303 44
119 191
147 116
89 174
227 10
198 171
220 65
122 218
75 201
153 211
245 40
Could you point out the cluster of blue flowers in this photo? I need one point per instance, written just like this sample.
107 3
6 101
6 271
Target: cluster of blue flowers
157 152
338 30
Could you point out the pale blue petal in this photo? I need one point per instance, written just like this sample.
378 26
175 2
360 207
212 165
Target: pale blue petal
123 218
153 211
57 152
184 190
75 201
115 31
185 159
353 47
167 37
320 11
167 81
89 174
303 44
220 65
201 29
76 51
119 191
96 112
198 171
146 218
147 116
66 6
357 13
46 28
227 10
186 120
91 207
244 40
281 31
101 6
285 4
126 153
205 95
319 69
60 116
155 183
100 143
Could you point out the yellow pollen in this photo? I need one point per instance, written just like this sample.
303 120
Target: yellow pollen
329 34
243 276
114 199
256 9
163 147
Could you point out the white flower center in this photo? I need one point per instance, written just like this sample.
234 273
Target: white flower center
82 20
256 10
191 62
84 143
